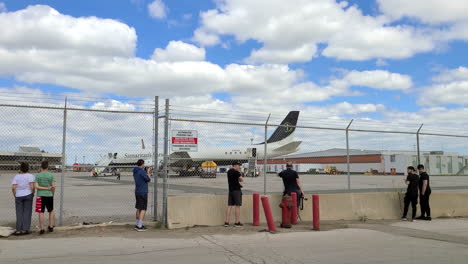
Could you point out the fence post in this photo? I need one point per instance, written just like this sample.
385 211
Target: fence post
62 175
265 157
417 143
155 158
347 155
166 160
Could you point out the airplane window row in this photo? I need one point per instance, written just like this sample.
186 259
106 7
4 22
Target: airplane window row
230 153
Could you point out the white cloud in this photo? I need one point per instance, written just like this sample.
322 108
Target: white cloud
266 55
378 79
428 11
113 105
447 93
179 51
38 29
451 14
380 63
299 25
458 74
157 9
449 87
3 7
204 38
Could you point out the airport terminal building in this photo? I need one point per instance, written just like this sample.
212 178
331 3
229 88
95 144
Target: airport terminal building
371 161
10 160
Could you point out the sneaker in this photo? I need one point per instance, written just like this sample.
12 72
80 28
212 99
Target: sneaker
41 232
428 218
144 228
420 218
140 229
226 224
238 224
404 219
51 229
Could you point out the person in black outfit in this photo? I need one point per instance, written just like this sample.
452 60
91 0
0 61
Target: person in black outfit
235 194
291 182
411 196
424 193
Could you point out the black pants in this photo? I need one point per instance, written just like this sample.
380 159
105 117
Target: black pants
424 201
299 196
413 199
23 212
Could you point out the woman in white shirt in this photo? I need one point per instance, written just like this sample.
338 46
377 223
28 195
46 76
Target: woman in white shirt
22 187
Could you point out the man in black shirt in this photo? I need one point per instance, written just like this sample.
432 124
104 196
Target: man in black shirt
424 193
235 194
411 196
291 182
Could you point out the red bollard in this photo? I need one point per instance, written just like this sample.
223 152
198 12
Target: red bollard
285 214
268 214
294 208
256 209
316 212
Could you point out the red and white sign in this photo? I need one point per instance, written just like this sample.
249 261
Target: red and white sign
185 140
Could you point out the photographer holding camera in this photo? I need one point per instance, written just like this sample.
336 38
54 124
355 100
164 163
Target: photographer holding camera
140 175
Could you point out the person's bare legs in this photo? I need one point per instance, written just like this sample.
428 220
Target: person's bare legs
41 221
137 215
237 212
51 219
141 215
228 214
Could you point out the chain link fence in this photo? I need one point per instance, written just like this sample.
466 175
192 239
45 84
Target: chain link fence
192 149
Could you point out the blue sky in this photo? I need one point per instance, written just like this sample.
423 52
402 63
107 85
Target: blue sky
183 18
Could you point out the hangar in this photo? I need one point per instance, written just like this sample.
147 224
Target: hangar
372 161
10 160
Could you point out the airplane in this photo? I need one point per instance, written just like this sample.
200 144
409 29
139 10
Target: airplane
280 143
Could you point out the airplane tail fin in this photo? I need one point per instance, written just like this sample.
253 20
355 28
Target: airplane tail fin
286 129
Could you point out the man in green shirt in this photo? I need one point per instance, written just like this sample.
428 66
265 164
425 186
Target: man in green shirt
45 185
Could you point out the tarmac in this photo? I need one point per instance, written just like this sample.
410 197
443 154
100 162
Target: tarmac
438 241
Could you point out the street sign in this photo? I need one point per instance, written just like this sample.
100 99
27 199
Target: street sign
184 140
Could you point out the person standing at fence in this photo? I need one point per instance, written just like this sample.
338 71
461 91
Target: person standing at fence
424 193
45 186
23 191
411 196
235 194
140 175
291 182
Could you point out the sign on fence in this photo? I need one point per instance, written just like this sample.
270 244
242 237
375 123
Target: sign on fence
185 140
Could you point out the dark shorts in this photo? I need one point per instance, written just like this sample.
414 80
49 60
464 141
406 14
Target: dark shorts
43 203
141 202
235 198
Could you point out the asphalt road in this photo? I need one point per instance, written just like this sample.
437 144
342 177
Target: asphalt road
417 243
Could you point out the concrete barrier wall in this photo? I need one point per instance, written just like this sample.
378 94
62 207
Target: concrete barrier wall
187 211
